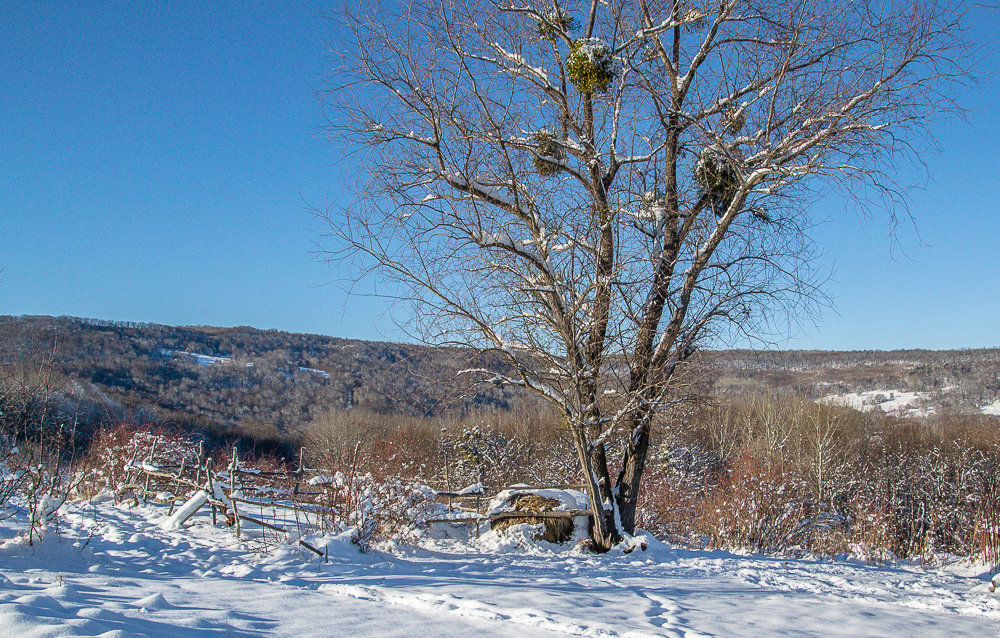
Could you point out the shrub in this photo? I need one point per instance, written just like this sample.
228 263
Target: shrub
758 505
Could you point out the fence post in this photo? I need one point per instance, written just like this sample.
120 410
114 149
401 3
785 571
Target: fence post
211 488
298 472
478 511
233 469
128 476
201 459
145 489
180 475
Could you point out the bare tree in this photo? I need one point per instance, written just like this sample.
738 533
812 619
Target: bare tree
588 191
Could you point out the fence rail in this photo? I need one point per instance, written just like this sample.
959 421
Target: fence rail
228 491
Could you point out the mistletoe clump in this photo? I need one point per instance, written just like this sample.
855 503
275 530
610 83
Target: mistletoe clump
555 22
547 149
715 174
590 65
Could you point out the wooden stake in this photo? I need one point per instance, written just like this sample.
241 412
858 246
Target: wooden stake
233 469
298 472
211 487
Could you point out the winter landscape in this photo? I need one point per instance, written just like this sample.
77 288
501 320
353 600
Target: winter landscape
651 318
113 571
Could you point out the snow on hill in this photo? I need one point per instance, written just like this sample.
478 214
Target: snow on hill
205 360
200 359
992 409
889 401
114 571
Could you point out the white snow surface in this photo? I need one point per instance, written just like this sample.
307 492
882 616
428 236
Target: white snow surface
186 510
114 571
568 499
992 409
320 373
200 359
889 401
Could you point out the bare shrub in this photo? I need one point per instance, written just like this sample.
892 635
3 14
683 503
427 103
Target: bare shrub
987 533
39 439
758 505
117 446
670 503
793 474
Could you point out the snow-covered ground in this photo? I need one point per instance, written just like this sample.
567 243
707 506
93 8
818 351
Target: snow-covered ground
889 401
115 571
200 359
992 409
205 360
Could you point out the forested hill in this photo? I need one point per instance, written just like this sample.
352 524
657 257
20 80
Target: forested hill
268 382
261 380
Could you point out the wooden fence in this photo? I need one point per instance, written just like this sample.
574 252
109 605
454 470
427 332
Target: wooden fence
236 492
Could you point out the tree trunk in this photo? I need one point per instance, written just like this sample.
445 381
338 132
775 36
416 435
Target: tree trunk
630 478
604 532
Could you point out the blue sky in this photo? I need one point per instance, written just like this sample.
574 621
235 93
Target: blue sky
159 159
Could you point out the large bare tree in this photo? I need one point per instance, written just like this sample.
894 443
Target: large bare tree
589 190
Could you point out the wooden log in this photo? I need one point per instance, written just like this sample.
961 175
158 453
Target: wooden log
166 475
187 510
262 523
557 486
298 507
300 470
475 510
554 514
314 550
468 520
459 495
200 461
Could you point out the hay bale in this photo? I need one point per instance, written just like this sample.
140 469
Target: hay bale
554 530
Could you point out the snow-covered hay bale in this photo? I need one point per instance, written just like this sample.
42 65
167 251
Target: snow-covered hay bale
555 529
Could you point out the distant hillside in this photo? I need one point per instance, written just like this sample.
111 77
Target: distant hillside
226 377
955 380
270 382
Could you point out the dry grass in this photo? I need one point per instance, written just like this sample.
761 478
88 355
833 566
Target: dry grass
554 530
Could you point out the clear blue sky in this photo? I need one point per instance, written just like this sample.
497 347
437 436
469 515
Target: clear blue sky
158 158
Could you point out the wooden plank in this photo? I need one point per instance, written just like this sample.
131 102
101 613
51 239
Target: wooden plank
556 514
299 507
168 476
312 549
288 475
558 486
187 510
262 523
505 515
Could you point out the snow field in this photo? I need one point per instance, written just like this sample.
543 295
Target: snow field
115 571
889 401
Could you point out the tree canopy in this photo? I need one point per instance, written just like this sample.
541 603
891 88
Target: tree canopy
590 190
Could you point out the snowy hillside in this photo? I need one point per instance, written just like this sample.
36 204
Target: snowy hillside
897 402
114 571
